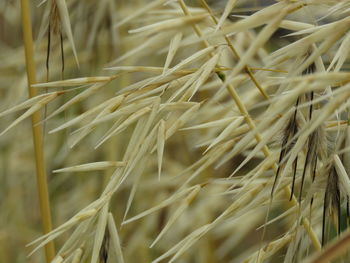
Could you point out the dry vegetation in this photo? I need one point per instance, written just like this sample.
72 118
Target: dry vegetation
175 131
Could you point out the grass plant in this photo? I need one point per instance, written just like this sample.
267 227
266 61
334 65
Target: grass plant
175 131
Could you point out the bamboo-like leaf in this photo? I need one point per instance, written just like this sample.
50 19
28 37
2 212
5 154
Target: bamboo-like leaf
191 59
263 36
206 70
228 8
272 132
81 96
339 57
137 175
115 238
107 105
140 11
72 82
132 118
160 145
57 259
79 234
169 24
96 166
257 19
226 132
173 106
100 13
212 124
64 15
342 175
178 212
150 42
181 121
108 114
295 25
26 104
180 244
37 106
173 198
187 84
301 46
100 233
81 216
173 47
77 255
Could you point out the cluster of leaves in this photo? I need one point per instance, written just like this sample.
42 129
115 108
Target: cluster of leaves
223 137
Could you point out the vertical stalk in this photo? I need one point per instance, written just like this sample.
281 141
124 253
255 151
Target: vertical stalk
37 130
244 112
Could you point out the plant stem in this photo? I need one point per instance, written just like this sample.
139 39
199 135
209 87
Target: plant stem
37 130
242 109
332 251
235 53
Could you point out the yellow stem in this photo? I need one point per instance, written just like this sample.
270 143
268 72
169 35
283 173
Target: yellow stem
247 69
37 130
251 124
